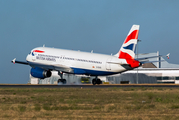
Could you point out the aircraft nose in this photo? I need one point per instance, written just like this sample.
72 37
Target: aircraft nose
28 57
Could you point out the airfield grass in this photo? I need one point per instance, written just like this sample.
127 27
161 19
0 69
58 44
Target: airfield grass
89 103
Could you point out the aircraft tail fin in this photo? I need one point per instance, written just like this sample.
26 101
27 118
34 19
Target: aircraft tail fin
127 50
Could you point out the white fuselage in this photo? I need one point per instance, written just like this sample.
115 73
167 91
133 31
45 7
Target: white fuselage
76 62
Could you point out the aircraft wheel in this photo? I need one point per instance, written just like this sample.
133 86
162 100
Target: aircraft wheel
99 81
94 81
62 80
59 80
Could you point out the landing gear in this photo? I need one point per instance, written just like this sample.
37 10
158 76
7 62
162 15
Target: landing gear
61 80
96 81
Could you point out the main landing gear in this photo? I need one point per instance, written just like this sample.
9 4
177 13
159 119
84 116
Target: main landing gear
61 80
96 81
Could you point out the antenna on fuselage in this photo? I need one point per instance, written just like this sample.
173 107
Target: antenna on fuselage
43 45
91 51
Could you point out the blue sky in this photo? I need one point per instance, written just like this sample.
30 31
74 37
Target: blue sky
98 25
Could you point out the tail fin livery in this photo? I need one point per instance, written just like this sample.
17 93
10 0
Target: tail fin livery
128 47
127 50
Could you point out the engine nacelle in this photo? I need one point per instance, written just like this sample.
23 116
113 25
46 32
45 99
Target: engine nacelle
40 73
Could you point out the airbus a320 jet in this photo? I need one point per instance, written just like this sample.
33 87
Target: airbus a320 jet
43 60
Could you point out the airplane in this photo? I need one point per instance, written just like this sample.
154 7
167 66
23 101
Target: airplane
43 60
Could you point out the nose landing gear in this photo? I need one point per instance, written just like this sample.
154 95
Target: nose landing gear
62 80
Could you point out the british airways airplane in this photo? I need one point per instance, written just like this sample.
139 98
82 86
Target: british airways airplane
43 60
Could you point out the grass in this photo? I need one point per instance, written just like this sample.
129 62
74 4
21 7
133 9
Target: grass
89 103
22 108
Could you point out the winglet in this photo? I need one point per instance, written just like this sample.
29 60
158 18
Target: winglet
168 55
14 60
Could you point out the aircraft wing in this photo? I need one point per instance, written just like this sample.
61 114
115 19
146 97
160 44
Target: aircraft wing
19 62
57 67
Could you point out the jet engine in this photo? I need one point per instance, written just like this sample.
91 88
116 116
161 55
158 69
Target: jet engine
40 73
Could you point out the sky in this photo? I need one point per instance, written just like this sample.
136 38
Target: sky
85 25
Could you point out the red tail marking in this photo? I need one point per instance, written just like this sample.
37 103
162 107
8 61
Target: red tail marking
124 55
131 61
133 35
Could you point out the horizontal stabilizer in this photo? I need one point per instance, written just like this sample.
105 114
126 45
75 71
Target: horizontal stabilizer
145 58
151 61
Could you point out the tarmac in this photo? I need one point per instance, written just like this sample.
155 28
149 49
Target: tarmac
87 85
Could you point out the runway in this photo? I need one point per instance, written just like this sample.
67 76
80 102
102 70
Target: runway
87 86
